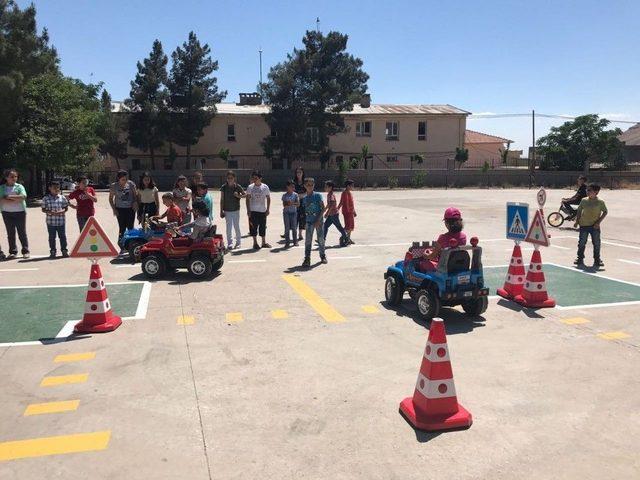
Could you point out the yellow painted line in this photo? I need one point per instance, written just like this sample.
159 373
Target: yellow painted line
575 321
233 317
185 320
325 310
370 309
41 447
613 335
51 407
279 314
64 379
74 357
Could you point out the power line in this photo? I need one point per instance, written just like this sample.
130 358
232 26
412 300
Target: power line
481 116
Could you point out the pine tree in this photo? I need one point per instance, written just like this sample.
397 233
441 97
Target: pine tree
147 104
111 130
193 92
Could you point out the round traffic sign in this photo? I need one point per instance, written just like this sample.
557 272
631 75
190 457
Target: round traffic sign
542 197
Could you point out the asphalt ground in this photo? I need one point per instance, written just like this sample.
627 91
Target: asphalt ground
268 371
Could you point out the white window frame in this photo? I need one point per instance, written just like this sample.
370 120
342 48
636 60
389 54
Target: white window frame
422 137
231 137
313 135
361 130
392 131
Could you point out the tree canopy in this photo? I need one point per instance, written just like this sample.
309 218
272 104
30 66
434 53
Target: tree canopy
576 144
306 94
193 92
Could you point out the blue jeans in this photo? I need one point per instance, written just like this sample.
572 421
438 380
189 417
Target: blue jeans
308 239
595 239
62 235
334 220
290 225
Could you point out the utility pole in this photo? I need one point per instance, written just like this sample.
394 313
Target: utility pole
260 52
317 24
532 161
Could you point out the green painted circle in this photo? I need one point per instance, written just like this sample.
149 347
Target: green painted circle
94 248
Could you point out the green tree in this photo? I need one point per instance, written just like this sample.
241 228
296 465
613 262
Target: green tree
576 144
59 125
462 155
111 131
24 54
147 104
308 91
193 92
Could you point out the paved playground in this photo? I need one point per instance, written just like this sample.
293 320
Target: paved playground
271 372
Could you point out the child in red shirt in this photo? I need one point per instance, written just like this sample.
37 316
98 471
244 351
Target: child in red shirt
85 197
173 212
332 215
453 222
348 209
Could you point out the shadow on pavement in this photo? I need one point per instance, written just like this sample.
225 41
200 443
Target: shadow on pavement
516 307
299 268
455 321
179 277
70 338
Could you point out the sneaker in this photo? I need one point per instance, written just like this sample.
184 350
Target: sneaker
26 255
306 263
598 263
11 256
287 244
52 255
283 236
230 247
236 246
578 262
256 246
266 245
324 260
300 237
65 254
295 244
351 242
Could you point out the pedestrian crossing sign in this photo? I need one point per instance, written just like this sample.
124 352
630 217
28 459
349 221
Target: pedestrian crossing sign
517 220
93 242
537 233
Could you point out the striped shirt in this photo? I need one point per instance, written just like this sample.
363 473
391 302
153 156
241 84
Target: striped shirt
56 203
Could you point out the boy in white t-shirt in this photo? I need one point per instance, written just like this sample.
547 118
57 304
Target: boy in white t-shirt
258 205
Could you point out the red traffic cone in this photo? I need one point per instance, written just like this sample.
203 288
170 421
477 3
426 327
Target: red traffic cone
514 281
98 316
434 405
534 294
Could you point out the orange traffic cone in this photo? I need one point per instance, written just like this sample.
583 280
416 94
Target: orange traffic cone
534 294
434 405
515 276
98 316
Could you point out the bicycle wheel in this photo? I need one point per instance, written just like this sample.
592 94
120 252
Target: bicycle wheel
555 219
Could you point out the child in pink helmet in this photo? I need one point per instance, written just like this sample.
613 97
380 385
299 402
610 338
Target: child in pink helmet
454 234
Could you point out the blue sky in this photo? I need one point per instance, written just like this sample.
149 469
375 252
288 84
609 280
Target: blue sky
559 57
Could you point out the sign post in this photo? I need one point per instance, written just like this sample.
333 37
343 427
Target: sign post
517 225
94 244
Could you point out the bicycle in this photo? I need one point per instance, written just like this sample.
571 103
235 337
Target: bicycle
556 219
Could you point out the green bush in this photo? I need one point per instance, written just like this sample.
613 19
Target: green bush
418 179
393 182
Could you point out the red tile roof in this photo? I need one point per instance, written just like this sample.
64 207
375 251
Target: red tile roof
631 136
471 136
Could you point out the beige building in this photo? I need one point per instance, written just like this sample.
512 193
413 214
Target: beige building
484 148
394 135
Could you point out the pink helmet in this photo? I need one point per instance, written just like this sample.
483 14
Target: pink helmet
452 213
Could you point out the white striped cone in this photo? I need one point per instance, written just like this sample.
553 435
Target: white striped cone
534 293
514 281
98 316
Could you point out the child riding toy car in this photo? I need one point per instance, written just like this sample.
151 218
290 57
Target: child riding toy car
455 280
173 251
133 240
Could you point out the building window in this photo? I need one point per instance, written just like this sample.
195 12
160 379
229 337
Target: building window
231 132
391 131
392 159
363 129
135 164
312 135
422 130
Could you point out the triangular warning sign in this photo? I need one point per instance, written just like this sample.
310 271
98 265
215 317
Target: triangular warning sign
537 232
517 228
93 242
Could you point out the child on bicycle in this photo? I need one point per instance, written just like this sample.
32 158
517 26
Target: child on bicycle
577 197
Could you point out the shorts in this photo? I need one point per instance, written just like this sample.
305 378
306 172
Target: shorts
258 224
349 221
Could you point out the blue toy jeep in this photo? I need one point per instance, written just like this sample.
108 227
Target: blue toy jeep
133 240
456 280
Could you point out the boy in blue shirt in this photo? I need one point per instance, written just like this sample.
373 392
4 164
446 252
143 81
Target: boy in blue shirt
314 208
202 192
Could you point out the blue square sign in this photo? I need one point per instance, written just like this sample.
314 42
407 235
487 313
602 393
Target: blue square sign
517 220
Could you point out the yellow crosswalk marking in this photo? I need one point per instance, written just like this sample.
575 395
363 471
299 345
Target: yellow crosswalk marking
575 321
613 335
279 314
325 310
233 317
51 407
74 357
185 320
64 379
40 447
370 309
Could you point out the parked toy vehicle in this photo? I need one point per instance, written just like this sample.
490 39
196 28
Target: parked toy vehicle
457 280
170 252
133 240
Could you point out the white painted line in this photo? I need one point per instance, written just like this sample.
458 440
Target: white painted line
67 330
595 274
246 261
344 258
619 245
128 266
561 248
143 303
598 305
495 266
18 269
620 260
71 286
525 249
19 344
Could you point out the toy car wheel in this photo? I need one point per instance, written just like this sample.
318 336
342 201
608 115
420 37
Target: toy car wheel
476 306
428 304
393 290
555 219
133 247
154 266
200 266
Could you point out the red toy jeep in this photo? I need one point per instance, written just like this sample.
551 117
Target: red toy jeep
170 252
